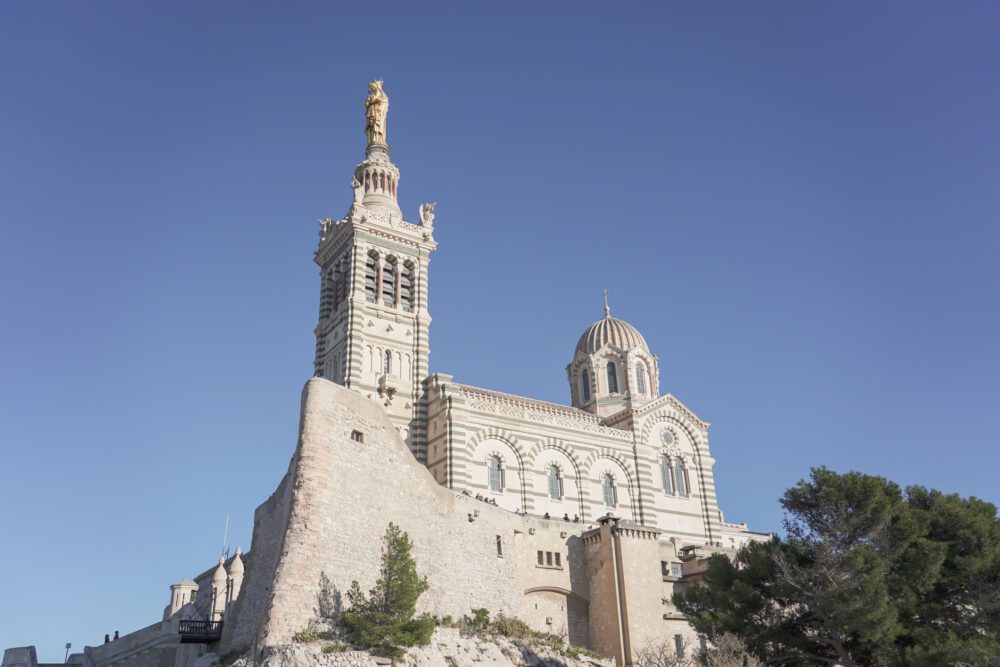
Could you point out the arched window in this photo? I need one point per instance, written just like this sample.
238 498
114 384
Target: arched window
612 378
609 490
640 377
666 474
496 474
406 281
387 366
371 278
555 483
585 384
389 282
681 478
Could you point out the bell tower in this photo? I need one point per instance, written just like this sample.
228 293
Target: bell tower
373 319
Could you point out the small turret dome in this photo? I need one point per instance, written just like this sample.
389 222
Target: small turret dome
610 331
220 571
236 567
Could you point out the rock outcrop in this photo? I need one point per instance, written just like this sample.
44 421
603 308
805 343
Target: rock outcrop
448 648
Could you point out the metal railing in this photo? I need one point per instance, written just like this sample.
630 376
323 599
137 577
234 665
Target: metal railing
200 632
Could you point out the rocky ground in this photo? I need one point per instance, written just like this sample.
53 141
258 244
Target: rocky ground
448 648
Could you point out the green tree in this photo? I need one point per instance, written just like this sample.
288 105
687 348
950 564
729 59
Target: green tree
866 575
384 620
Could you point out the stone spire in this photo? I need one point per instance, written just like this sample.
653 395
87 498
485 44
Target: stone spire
377 178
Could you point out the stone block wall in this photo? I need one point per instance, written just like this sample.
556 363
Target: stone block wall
350 476
240 631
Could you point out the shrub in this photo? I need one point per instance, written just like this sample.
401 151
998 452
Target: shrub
336 646
306 636
512 628
480 619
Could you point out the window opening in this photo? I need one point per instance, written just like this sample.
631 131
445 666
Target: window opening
389 283
555 483
495 474
371 278
406 281
610 493
680 477
665 474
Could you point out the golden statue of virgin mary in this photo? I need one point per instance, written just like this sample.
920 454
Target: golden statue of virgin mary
376 108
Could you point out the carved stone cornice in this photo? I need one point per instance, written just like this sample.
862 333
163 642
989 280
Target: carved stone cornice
536 411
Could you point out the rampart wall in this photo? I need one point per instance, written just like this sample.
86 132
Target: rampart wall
330 513
269 526
352 475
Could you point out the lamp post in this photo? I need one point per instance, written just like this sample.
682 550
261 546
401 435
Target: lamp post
68 647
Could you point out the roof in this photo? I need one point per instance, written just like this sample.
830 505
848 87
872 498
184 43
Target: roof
610 331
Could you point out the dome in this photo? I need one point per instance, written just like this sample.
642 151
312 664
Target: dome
610 331
220 571
237 564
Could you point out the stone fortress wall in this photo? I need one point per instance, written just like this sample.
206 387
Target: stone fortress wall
351 475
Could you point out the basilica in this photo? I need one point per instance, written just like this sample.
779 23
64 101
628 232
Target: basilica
619 448
581 520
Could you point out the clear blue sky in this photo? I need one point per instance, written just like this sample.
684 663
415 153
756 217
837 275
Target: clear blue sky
796 203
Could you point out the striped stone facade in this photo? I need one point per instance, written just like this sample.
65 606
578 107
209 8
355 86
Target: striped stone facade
468 425
620 448
372 334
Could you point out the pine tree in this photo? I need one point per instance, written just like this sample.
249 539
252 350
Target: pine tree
866 575
384 620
